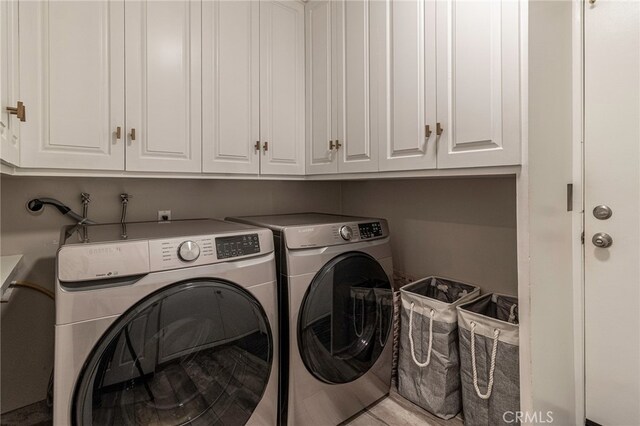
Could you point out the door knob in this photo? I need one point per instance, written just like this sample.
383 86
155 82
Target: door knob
602 240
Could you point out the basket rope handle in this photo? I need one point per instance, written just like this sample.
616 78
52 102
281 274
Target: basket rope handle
492 368
512 313
413 349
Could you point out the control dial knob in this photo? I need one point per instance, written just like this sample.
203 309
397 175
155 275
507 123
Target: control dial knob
346 232
188 251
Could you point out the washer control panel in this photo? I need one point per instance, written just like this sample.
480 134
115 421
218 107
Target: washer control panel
189 251
370 230
203 250
237 245
167 254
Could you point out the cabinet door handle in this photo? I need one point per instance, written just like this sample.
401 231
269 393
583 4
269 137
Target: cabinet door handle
118 132
439 129
427 131
338 144
331 146
265 146
257 146
133 134
19 111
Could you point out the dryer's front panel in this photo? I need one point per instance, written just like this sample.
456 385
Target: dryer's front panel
197 352
345 318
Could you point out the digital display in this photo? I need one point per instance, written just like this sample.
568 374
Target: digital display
238 245
370 230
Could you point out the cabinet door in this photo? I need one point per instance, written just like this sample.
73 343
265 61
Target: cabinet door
282 87
356 152
231 86
479 83
406 100
320 72
163 85
72 83
9 83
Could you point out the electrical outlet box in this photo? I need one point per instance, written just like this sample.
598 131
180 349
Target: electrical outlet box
164 215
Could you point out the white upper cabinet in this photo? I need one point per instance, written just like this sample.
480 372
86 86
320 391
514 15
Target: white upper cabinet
405 65
479 83
231 86
163 93
273 87
253 87
9 83
355 147
339 136
321 111
72 84
282 110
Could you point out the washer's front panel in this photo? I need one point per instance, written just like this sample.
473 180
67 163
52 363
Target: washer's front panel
198 352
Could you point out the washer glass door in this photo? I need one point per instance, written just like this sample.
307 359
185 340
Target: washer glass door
345 318
197 352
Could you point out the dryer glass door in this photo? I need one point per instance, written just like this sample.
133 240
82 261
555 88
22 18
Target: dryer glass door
196 352
345 318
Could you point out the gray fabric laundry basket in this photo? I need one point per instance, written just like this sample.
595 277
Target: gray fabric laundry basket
428 369
489 364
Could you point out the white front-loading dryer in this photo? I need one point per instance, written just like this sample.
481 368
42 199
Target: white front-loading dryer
174 324
335 275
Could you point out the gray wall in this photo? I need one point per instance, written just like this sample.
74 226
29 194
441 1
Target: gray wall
461 228
457 228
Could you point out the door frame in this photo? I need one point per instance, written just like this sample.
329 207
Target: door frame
578 264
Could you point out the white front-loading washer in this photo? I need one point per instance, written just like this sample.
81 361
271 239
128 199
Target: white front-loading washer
335 275
166 323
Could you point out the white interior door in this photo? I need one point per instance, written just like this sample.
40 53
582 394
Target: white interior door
282 116
320 88
163 52
407 71
612 178
9 82
356 151
72 83
231 86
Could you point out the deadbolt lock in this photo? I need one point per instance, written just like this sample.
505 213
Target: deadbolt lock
602 212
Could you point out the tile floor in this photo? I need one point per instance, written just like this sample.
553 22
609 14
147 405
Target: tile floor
38 414
390 411
394 410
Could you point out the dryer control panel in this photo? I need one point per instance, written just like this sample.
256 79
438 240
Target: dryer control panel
370 230
325 235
